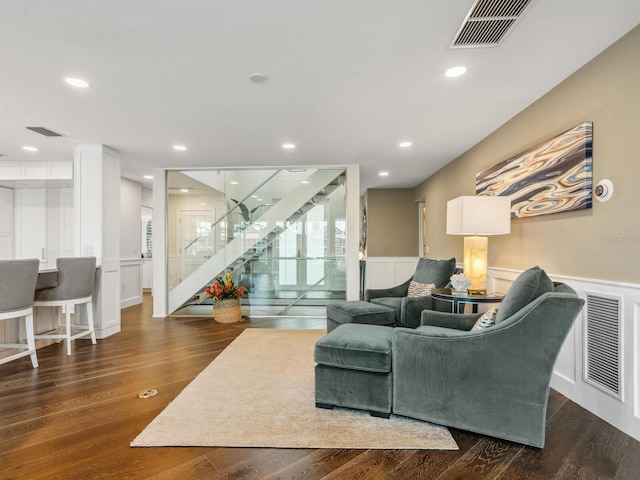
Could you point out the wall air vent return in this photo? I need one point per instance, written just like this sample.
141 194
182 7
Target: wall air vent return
45 131
602 365
488 22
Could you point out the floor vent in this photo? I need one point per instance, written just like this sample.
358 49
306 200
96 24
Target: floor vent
603 365
45 131
488 22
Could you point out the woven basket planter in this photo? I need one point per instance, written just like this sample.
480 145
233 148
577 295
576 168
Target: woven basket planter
227 311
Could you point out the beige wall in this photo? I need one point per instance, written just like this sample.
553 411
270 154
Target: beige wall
392 223
602 242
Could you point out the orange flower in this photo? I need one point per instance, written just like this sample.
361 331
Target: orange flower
224 288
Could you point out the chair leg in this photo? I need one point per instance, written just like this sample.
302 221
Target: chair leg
31 343
67 316
90 321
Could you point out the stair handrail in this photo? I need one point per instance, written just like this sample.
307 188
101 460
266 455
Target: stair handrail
233 208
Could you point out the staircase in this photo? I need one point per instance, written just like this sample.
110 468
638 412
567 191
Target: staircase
258 235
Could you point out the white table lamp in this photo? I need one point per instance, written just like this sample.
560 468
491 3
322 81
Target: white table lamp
477 216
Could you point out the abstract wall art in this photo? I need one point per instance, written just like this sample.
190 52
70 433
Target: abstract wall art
554 176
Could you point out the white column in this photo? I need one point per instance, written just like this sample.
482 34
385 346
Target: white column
96 182
159 236
353 232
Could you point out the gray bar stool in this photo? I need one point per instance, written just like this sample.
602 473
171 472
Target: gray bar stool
17 287
75 287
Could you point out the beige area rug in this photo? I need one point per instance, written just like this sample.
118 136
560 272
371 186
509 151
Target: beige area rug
259 392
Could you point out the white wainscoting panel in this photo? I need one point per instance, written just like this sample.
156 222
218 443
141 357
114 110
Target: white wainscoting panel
385 272
568 377
131 278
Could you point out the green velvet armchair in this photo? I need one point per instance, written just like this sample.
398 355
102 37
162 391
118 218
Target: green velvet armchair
408 309
493 381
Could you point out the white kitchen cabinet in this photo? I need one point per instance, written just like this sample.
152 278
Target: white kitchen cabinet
59 170
31 223
33 171
6 224
10 171
44 224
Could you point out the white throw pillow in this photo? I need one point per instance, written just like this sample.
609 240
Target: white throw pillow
417 289
486 320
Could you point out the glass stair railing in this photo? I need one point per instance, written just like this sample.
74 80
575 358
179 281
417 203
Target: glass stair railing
241 237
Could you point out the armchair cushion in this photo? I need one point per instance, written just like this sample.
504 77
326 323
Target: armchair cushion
437 272
529 285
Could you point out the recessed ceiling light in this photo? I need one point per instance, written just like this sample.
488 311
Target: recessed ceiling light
233 183
254 196
149 177
77 82
288 146
203 204
383 174
456 71
184 190
304 181
405 144
258 78
29 149
179 148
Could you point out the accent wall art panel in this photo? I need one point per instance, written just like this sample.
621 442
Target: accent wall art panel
554 176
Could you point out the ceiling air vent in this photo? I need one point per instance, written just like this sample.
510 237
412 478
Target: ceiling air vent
603 366
45 131
488 22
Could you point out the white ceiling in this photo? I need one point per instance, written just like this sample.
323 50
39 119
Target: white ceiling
348 79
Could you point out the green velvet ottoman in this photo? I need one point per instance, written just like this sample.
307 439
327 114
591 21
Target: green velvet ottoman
353 369
359 312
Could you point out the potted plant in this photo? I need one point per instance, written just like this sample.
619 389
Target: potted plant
246 214
226 299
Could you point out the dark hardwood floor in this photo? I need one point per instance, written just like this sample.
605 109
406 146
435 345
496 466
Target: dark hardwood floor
74 417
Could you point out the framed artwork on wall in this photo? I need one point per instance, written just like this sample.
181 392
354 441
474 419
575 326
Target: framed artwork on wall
553 176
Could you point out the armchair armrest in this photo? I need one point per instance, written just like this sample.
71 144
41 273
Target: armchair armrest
412 308
449 320
397 291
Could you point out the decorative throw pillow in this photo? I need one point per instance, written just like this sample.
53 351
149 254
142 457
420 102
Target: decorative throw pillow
417 289
486 320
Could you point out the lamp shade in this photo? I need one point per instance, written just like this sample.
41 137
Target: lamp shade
481 215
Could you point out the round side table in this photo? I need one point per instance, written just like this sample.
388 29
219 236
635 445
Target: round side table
456 298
